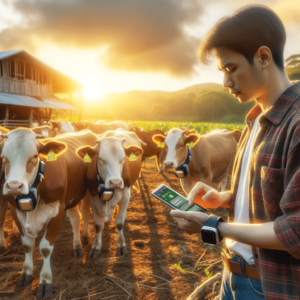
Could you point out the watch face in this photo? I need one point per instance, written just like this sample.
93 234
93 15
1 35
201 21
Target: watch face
209 236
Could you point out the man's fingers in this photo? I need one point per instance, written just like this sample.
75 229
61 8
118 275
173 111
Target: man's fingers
209 194
185 215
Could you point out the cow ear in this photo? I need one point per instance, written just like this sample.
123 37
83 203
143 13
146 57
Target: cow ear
57 147
192 138
137 151
90 151
158 138
54 124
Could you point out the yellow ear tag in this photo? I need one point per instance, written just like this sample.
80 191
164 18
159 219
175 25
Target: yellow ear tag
87 158
161 145
191 145
51 156
132 157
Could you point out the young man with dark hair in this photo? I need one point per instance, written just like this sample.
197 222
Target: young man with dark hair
263 233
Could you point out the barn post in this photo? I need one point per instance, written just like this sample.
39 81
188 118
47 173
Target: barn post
50 114
6 114
30 118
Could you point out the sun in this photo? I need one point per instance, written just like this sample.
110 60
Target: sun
92 91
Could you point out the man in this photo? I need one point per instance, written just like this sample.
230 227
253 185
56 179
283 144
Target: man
264 217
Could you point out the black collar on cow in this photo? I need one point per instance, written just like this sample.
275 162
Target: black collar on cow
184 169
29 202
104 193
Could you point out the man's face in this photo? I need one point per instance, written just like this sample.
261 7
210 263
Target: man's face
245 81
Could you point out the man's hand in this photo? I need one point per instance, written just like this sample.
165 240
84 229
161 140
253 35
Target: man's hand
207 197
195 220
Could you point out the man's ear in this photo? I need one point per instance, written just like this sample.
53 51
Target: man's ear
137 151
54 124
158 138
265 56
192 138
90 151
57 147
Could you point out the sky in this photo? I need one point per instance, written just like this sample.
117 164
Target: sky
122 45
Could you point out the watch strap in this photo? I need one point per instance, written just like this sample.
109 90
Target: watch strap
213 221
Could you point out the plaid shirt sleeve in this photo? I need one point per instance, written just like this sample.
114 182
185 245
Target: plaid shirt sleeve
287 226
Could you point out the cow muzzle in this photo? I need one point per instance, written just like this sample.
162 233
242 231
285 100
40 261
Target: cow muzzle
169 164
115 184
15 188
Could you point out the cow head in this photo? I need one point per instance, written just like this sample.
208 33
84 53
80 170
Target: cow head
175 144
21 149
62 127
111 155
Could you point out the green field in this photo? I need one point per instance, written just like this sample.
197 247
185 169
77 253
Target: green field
201 127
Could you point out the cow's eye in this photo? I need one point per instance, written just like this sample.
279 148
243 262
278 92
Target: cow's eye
36 156
122 160
4 160
181 145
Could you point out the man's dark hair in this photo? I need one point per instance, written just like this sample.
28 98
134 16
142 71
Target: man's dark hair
250 28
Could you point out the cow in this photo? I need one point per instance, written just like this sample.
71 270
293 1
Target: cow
117 157
100 127
151 148
62 127
212 155
3 203
45 130
62 188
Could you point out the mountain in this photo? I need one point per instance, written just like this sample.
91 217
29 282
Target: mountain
208 102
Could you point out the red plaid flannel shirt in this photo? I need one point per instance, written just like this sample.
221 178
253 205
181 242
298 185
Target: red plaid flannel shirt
274 191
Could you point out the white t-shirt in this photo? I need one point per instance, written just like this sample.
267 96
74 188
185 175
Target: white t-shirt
241 209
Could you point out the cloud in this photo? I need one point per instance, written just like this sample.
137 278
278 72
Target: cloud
140 35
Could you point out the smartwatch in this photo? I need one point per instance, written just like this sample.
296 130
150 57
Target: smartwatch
209 231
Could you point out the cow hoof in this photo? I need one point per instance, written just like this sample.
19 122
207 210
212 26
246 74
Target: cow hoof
94 253
2 249
24 280
77 252
44 290
121 251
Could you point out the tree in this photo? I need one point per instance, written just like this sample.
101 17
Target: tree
292 67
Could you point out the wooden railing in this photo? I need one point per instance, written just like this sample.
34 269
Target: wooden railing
12 124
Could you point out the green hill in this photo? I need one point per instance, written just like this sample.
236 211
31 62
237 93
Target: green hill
208 102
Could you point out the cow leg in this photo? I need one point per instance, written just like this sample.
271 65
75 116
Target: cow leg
120 220
160 161
45 287
85 212
26 276
74 216
3 208
99 225
224 180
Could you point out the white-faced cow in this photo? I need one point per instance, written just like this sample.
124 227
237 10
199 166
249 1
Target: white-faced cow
150 148
62 187
62 127
3 203
116 158
100 127
212 155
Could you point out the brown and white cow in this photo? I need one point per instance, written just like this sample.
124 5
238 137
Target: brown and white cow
117 157
212 155
62 188
151 148
3 203
100 127
62 127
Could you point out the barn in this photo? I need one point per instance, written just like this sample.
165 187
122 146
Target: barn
31 91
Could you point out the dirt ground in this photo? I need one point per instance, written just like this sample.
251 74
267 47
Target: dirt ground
160 264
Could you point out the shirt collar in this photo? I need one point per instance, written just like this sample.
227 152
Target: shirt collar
276 113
